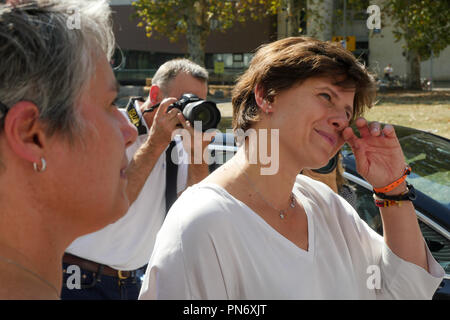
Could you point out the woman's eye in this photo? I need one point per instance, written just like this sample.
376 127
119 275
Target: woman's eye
326 96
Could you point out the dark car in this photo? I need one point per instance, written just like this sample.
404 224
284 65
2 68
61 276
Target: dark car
428 155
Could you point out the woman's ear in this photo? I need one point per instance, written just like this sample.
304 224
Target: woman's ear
24 132
259 96
265 106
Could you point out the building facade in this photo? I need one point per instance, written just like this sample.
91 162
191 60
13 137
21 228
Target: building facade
141 56
378 49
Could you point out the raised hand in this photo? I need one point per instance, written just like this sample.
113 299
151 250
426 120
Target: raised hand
199 141
378 154
163 123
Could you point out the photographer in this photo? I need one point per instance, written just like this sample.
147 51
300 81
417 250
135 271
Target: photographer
113 258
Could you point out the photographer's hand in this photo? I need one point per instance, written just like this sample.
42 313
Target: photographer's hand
198 167
161 124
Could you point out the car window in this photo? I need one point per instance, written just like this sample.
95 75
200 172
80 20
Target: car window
429 157
439 245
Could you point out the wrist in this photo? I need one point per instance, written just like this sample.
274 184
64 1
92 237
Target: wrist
155 146
400 189
394 186
387 200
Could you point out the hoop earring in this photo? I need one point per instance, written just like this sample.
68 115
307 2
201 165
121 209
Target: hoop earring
43 167
266 107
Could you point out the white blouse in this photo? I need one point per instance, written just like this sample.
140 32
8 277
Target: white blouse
213 246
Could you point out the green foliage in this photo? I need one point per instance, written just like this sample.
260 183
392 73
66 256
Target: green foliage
423 24
171 17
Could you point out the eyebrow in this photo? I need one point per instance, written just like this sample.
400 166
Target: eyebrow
334 94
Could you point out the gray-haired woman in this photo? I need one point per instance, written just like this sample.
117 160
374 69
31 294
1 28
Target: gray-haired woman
62 139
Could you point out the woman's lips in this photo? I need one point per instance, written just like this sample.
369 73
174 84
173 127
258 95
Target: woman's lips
328 137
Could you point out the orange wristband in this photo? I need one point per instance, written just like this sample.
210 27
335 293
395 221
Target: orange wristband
394 184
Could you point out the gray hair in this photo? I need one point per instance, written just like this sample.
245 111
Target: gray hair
170 69
49 62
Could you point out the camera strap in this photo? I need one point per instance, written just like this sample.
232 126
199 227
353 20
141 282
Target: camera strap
135 115
171 177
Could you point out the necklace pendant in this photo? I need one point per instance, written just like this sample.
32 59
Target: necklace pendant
282 214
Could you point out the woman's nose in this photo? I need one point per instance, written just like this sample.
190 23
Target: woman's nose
340 121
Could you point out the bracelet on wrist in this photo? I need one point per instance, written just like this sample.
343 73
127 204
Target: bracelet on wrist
383 200
387 203
394 184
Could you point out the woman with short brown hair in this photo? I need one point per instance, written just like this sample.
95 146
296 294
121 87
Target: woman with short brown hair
243 234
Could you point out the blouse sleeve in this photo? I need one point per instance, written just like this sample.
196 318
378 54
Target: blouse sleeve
406 280
400 279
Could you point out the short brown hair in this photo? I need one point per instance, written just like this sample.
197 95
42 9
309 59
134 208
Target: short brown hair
282 64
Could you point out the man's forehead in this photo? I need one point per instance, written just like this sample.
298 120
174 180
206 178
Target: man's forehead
185 83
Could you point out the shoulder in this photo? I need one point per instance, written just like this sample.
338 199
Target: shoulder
315 190
197 221
203 215
204 204
324 200
333 212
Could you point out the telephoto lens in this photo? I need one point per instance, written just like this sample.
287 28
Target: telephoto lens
196 109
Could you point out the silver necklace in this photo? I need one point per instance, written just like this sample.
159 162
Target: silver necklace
282 213
34 274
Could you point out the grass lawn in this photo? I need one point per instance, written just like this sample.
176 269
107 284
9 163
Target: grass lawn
428 111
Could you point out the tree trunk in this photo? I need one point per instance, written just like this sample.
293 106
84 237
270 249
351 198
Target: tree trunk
195 43
197 32
413 70
293 17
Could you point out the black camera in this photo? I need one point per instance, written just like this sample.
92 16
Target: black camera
196 109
